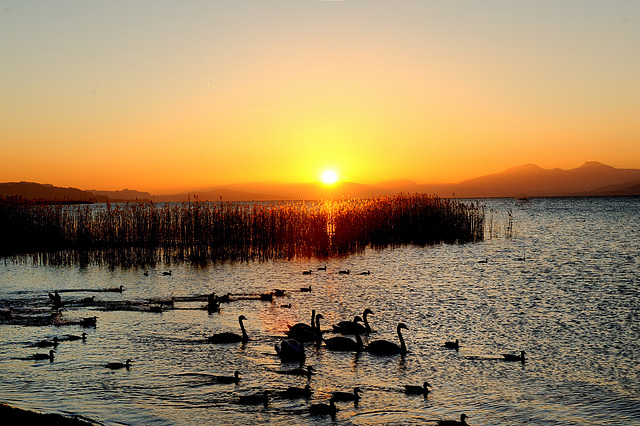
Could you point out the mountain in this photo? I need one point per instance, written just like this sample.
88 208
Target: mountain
528 180
48 193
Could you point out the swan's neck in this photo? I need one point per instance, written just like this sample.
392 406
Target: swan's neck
313 318
366 322
245 337
403 346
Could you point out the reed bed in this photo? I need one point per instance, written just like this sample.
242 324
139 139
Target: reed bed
144 234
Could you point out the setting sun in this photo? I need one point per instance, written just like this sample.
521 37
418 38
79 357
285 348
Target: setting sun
329 177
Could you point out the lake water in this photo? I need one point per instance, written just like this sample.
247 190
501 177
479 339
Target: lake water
573 304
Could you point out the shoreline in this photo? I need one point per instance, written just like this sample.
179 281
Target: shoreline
18 416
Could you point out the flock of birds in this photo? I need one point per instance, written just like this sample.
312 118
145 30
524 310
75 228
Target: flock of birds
292 349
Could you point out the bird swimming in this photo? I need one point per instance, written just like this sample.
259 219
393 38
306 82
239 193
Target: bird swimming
293 392
71 337
47 343
417 390
347 272
228 379
322 268
306 272
89 322
167 273
305 289
290 350
119 365
323 408
48 356
298 372
365 273
452 345
304 333
351 327
255 399
462 421
340 343
512 357
348 396
228 337
385 347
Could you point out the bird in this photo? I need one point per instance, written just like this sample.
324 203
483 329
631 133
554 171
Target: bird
47 343
228 337
322 268
348 396
521 259
452 345
116 289
71 337
340 343
48 356
259 398
146 273
304 333
462 421
228 379
306 272
119 365
89 322
323 408
347 272
385 347
351 327
417 390
299 372
486 260
167 273
293 392
305 289
290 350
512 357
365 273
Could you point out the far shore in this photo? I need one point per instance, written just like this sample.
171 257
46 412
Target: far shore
16 416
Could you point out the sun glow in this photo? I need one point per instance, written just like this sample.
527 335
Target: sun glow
329 177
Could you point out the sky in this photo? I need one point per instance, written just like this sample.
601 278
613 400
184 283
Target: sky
163 96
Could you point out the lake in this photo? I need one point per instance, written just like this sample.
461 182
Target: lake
563 285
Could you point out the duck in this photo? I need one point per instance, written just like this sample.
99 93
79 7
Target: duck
462 422
323 408
229 337
385 347
290 350
452 345
294 392
365 273
306 272
417 390
322 268
255 399
299 372
228 379
48 356
348 396
47 343
146 273
119 365
340 343
71 337
485 260
165 273
512 357
305 289
89 322
279 292
116 289
521 259
347 272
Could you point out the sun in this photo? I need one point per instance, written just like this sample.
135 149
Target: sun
329 177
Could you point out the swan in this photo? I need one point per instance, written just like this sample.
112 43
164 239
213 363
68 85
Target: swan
512 357
228 379
290 350
348 396
48 356
385 347
322 268
299 372
297 392
340 343
352 327
329 408
255 399
417 390
452 345
462 421
119 365
304 333
229 337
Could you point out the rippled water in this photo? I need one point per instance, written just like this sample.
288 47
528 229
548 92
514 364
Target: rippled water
573 305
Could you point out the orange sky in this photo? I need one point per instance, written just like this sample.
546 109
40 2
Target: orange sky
162 96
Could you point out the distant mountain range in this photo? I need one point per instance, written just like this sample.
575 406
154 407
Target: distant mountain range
529 180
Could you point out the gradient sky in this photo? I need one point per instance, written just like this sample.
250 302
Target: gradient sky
162 96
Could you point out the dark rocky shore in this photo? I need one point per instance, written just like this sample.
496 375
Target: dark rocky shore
16 416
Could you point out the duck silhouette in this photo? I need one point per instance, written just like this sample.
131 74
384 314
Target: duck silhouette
119 365
462 421
417 390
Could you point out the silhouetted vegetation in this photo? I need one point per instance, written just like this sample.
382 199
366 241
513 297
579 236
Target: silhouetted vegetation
139 234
